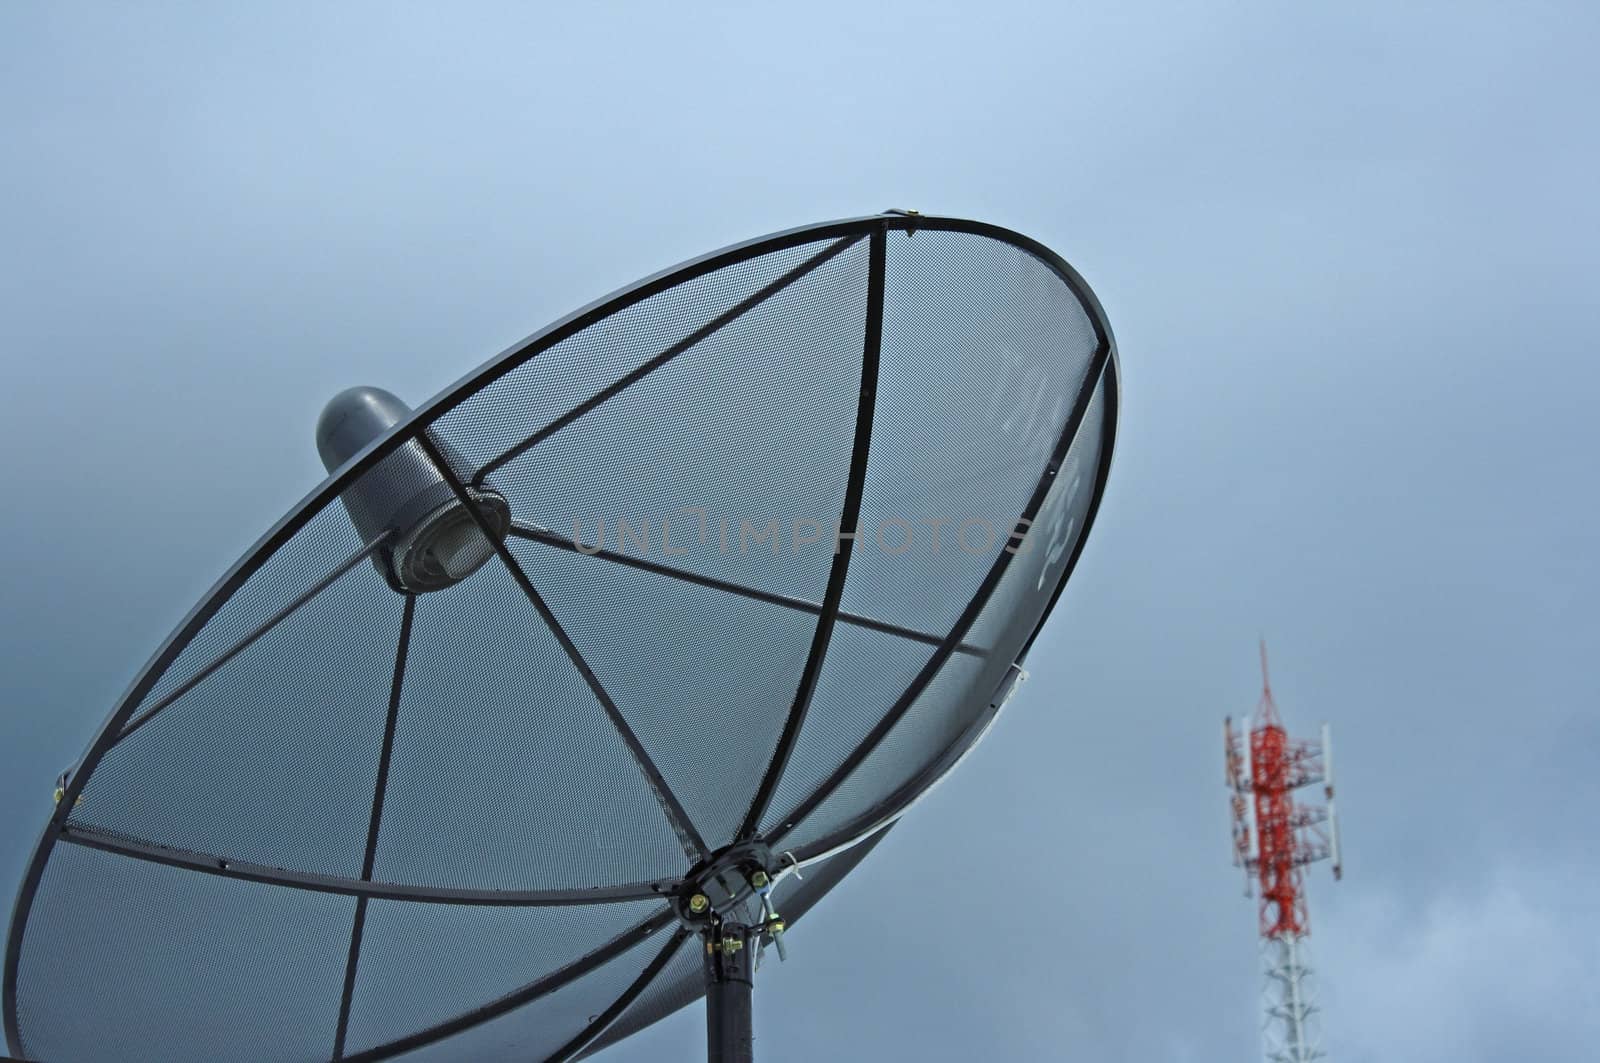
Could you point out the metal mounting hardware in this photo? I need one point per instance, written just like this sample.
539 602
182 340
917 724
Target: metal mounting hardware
727 945
724 886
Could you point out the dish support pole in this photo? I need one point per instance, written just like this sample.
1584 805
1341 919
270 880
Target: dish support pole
730 957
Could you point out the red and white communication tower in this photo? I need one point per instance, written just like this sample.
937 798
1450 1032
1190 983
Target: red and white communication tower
1274 836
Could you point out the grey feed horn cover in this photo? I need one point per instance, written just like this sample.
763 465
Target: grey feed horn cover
568 692
430 540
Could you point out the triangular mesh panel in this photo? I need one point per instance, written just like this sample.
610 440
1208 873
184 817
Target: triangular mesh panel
865 672
130 960
506 774
422 964
272 758
723 678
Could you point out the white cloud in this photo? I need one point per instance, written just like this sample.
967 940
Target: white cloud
1508 968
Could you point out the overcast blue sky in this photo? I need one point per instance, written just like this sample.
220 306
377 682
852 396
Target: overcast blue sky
1349 251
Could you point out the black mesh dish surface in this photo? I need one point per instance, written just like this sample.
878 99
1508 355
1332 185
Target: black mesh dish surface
784 522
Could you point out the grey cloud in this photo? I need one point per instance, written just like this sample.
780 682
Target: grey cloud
1348 251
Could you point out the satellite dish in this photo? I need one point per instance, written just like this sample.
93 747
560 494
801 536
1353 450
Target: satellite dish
567 692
